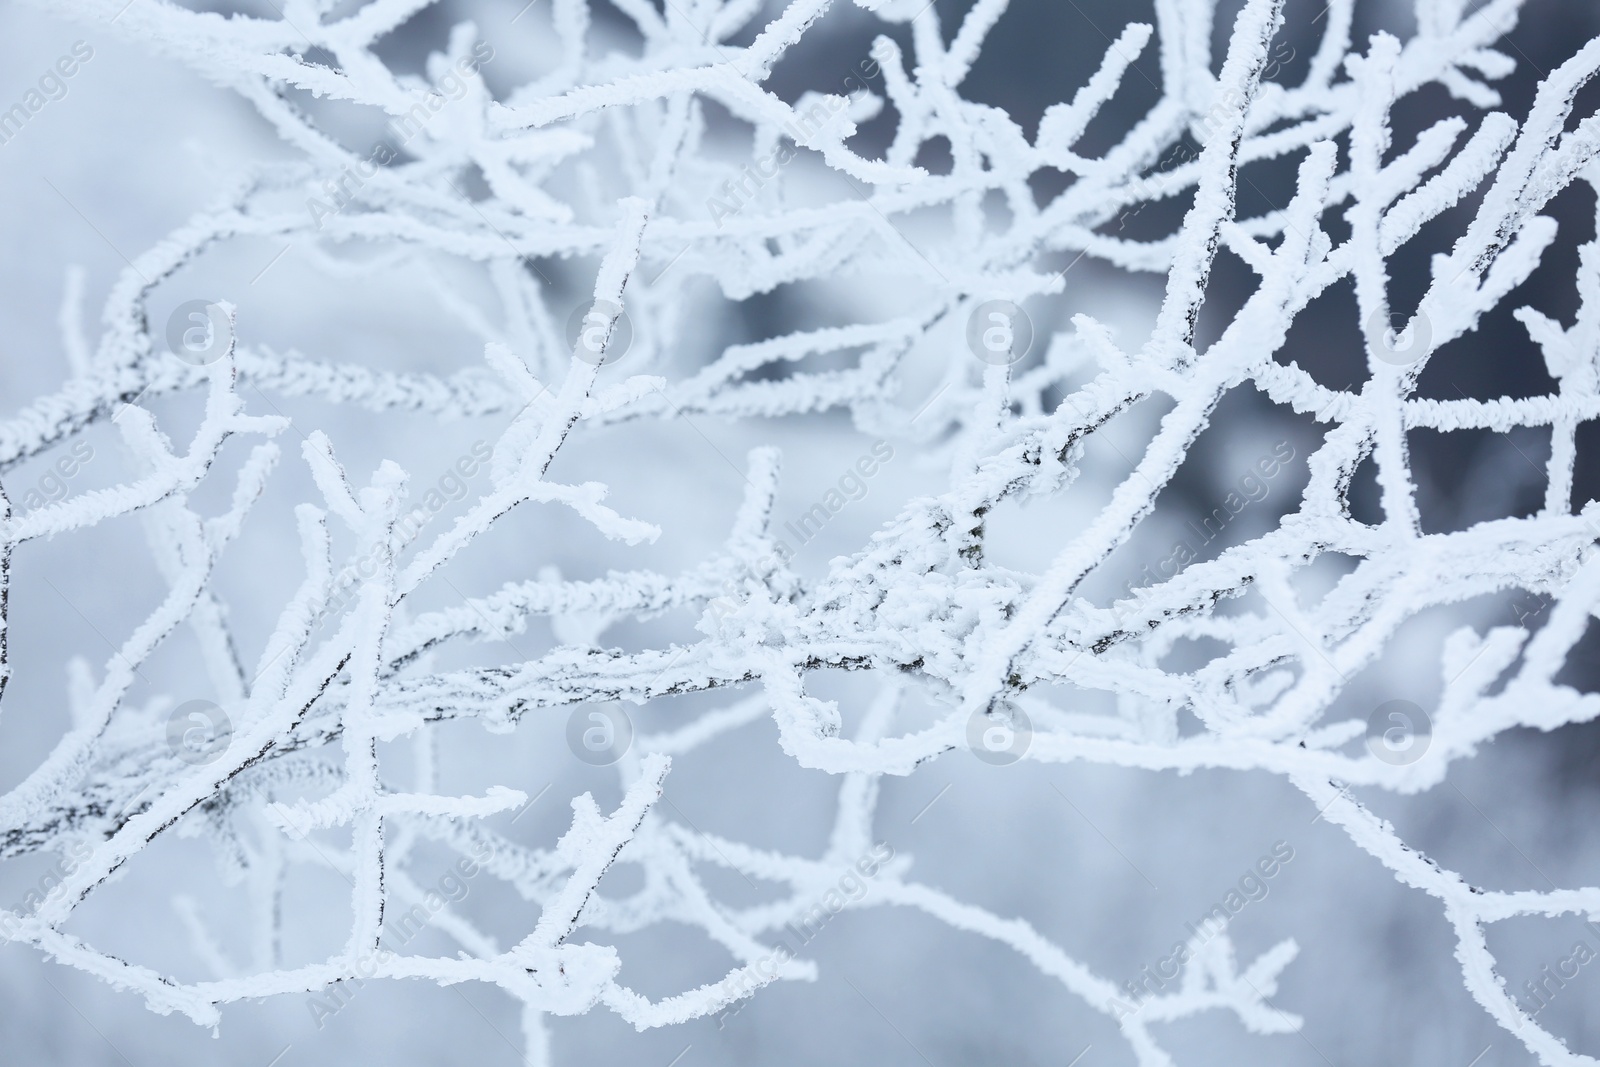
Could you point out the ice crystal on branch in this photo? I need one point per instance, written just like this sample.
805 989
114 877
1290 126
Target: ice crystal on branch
616 155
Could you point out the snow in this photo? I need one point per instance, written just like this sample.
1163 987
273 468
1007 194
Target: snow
921 606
